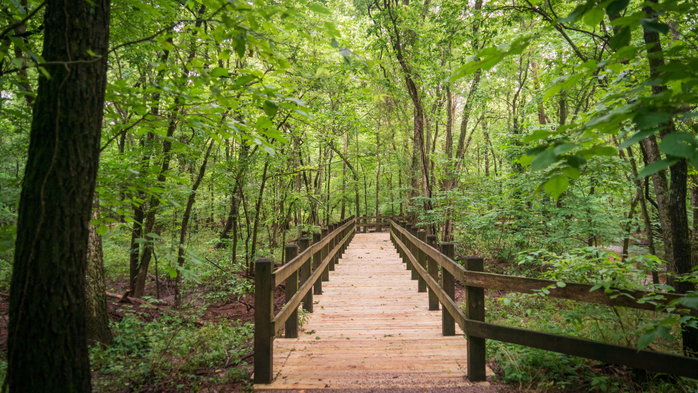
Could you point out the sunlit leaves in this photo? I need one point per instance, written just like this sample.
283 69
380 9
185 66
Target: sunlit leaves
317 8
270 108
489 57
593 17
556 186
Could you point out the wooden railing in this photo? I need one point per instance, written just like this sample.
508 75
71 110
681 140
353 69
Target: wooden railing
310 268
421 255
377 222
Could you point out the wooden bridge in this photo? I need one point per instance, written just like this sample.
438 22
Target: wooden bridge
375 327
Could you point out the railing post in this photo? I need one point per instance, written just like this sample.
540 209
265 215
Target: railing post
263 329
379 227
448 324
317 260
306 271
325 252
291 289
422 259
364 229
404 243
434 273
413 251
333 243
344 246
475 310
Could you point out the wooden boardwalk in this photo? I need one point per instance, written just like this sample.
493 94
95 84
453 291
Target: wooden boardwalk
371 329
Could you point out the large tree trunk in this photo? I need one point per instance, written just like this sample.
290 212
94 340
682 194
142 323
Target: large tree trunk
676 203
47 346
95 288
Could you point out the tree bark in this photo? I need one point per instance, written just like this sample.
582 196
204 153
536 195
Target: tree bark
95 288
676 204
47 346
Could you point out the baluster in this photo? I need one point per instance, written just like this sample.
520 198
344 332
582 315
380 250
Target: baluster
325 253
434 273
305 272
422 260
448 324
291 289
475 310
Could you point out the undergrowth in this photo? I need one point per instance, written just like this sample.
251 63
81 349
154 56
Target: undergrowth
172 352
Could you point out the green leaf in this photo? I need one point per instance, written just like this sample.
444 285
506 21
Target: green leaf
561 284
556 186
621 39
536 135
574 15
656 167
646 339
543 160
679 144
571 172
661 28
663 332
564 148
554 89
526 160
593 17
102 230
219 71
647 119
576 161
317 8
270 108
609 151
240 43
616 7
689 301
637 137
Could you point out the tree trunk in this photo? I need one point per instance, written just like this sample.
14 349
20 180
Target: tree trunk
258 212
47 346
185 223
97 317
676 204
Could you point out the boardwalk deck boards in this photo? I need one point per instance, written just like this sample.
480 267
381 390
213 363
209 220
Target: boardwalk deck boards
370 329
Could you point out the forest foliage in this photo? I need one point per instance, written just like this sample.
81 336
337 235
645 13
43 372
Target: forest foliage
554 138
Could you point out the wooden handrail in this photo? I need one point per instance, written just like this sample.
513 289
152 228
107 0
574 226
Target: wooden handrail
571 291
295 301
267 325
445 300
609 353
283 272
